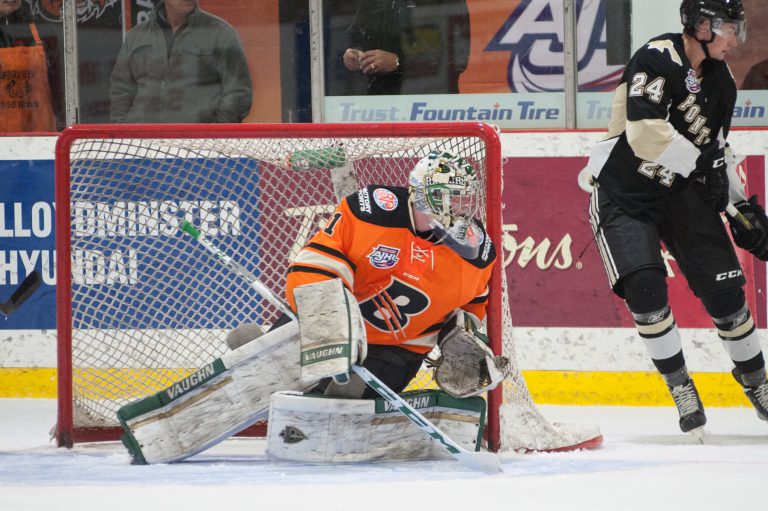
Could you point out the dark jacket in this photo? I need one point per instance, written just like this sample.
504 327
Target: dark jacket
203 78
14 29
431 38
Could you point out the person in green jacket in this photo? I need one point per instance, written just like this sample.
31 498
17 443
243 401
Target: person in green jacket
181 65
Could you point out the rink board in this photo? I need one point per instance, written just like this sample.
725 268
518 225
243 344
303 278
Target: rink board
575 341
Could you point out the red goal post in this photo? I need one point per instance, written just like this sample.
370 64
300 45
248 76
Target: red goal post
139 307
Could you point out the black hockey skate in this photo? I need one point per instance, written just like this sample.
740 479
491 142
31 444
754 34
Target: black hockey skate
758 396
689 406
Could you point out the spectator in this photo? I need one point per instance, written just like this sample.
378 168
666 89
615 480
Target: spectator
757 76
182 65
25 93
409 46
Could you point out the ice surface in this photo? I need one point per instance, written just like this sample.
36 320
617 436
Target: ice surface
645 464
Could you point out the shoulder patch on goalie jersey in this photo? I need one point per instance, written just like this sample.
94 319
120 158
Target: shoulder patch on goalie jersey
381 205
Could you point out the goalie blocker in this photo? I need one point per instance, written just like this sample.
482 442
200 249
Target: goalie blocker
318 429
331 329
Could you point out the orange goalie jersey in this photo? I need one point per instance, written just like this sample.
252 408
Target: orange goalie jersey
406 286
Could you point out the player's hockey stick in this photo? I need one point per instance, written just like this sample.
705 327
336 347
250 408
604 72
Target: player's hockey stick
485 461
734 213
28 286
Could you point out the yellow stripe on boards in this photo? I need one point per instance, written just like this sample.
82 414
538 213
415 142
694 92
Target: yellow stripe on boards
546 387
28 382
626 388
122 383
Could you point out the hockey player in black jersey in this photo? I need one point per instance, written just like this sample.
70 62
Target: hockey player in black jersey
664 174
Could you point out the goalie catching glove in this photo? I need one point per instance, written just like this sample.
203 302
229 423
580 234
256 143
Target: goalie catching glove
755 238
466 365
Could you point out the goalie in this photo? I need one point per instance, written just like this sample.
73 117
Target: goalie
411 257
394 273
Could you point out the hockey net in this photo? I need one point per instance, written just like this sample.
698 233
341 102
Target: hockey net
141 306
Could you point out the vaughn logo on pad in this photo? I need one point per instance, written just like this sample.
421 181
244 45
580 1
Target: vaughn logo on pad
192 381
324 353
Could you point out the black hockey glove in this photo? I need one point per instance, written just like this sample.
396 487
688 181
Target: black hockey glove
754 240
711 174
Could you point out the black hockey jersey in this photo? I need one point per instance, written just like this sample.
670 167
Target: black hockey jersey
662 117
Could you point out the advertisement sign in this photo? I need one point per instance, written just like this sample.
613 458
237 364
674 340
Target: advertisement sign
554 271
548 251
533 35
27 241
568 324
504 110
517 55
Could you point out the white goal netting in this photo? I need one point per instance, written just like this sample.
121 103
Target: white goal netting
147 306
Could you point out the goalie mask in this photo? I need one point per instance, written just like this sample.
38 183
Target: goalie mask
445 188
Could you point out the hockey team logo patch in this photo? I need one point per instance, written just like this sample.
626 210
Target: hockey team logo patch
292 435
385 199
691 82
384 257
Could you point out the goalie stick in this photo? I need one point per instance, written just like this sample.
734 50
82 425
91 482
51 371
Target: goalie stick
27 287
238 269
485 461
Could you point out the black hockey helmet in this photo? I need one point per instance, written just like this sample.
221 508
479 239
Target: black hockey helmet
718 12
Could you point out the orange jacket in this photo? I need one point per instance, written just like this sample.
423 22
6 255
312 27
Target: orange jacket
25 94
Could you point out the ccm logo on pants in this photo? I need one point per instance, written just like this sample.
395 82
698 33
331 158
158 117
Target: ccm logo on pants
728 275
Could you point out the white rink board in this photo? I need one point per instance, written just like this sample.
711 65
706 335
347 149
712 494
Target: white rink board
578 349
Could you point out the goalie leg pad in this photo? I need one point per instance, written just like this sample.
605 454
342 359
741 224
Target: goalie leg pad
317 429
331 329
213 403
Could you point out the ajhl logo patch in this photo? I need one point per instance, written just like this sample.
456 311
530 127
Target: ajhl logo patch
383 257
